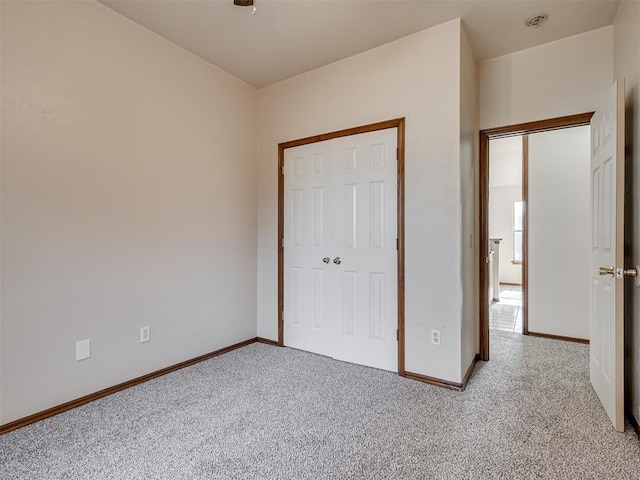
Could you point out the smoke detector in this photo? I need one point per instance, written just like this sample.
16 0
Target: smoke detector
535 21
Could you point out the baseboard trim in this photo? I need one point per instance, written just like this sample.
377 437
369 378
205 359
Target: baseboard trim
467 375
267 341
510 283
50 412
633 421
558 337
438 382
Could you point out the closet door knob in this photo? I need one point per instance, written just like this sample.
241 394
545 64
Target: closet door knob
337 261
326 259
606 271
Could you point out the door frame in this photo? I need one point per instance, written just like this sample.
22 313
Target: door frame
523 129
399 124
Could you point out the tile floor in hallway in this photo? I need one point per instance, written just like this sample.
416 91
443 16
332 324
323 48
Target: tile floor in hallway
506 314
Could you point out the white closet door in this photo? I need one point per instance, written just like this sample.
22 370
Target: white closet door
341 206
309 197
366 316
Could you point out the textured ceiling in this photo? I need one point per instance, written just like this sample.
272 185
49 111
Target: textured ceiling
288 37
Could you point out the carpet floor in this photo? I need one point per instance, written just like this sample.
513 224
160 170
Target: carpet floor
263 412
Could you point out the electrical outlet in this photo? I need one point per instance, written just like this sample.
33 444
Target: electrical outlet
435 336
83 350
145 334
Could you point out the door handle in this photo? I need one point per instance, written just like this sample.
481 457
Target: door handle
326 259
337 261
606 271
633 272
619 272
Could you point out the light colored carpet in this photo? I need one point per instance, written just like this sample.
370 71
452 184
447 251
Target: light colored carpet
268 412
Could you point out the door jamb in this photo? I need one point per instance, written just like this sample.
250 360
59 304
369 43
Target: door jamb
399 124
483 192
525 235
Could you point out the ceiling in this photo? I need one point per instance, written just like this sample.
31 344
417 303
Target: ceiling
288 37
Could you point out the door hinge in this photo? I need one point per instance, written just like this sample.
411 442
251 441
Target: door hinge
397 335
397 244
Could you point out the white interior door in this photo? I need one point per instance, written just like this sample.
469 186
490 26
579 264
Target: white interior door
607 241
308 242
340 257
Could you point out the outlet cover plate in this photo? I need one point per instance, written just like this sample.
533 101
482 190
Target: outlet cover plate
145 334
83 350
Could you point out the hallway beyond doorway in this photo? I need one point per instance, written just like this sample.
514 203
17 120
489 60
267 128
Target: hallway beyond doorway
506 313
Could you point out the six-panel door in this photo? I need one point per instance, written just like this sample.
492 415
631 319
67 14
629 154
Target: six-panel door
340 257
607 214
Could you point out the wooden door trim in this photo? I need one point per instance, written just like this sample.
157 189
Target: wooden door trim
483 201
525 235
399 124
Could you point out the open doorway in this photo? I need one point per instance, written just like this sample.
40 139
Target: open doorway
506 239
548 216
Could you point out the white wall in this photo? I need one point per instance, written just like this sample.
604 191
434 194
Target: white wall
468 185
559 78
505 161
559 232
501 226
121 158
417 77
505 187
627 64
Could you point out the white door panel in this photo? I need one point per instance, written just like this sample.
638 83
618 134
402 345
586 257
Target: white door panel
607 234
306 234
368 303
340 204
